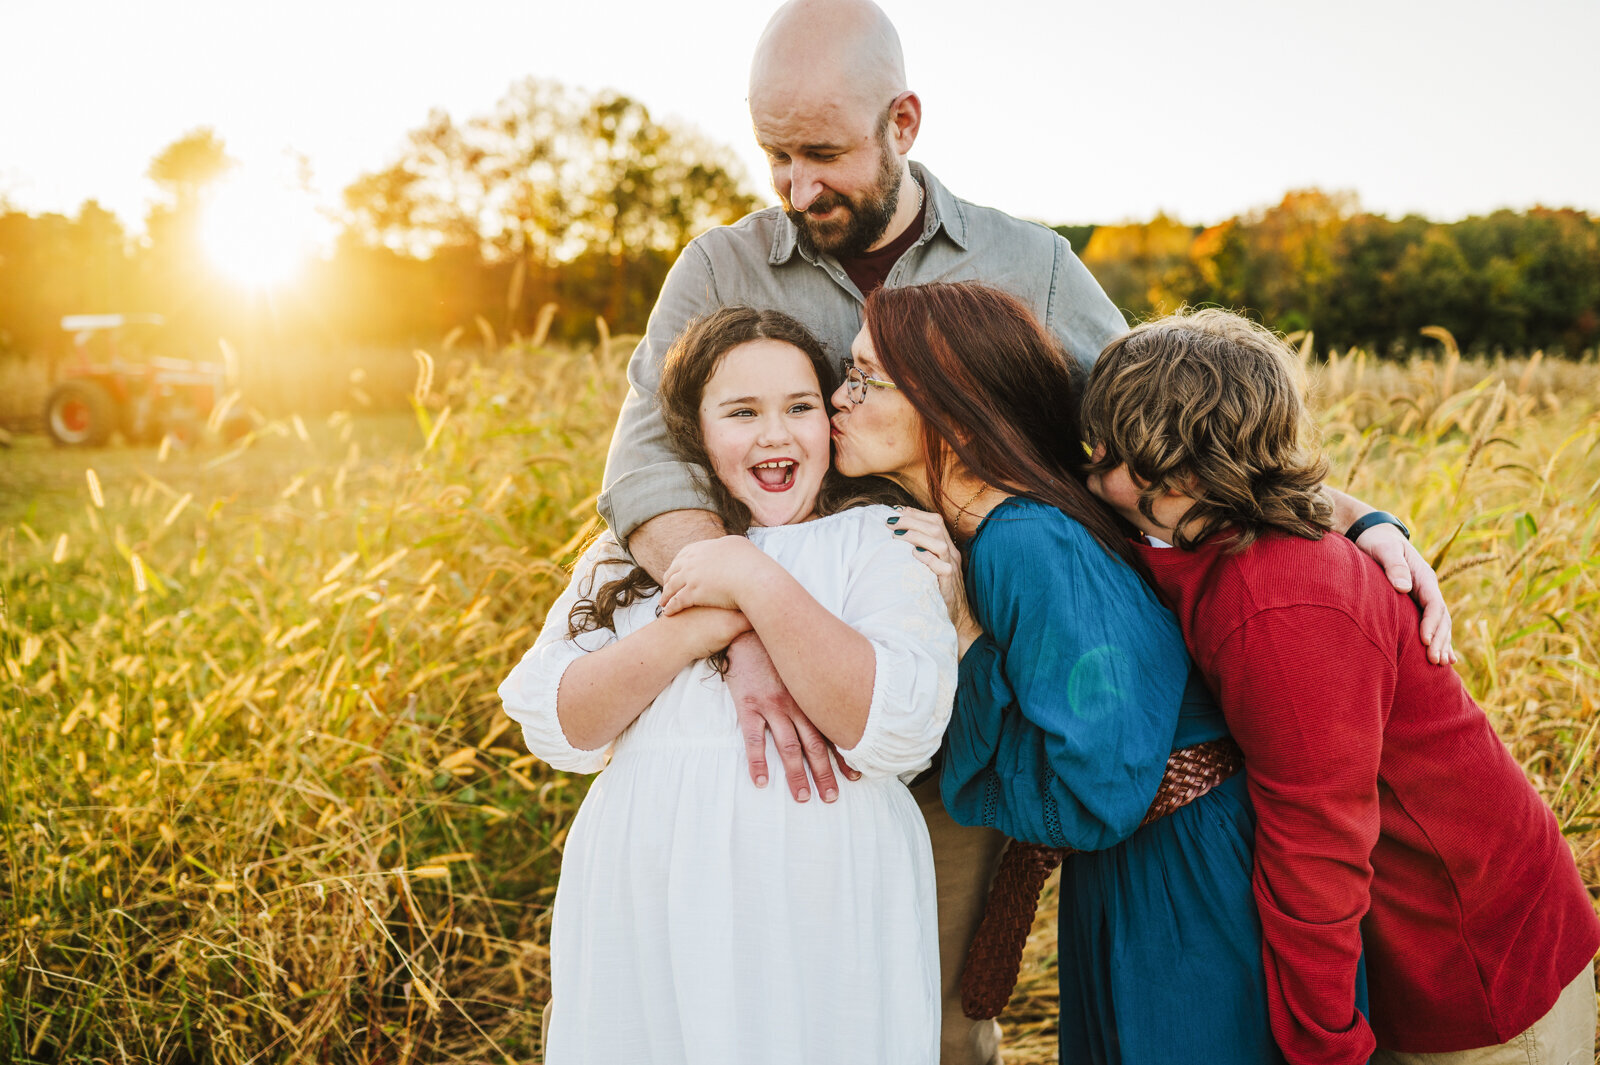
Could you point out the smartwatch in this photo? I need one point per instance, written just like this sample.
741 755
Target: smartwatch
1377 517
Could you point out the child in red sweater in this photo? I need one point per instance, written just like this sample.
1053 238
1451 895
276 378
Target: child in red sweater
1390 817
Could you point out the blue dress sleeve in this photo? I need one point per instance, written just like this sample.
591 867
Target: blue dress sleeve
1067 706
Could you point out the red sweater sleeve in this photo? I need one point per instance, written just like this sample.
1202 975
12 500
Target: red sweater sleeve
1306 694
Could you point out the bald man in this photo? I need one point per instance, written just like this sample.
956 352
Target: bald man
831 110
830 107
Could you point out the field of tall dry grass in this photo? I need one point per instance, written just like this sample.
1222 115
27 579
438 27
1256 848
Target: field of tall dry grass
258 802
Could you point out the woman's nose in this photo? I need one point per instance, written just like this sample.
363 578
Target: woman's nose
841 397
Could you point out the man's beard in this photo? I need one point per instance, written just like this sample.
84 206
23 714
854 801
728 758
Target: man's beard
865 218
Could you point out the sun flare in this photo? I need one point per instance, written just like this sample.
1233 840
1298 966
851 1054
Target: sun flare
259 230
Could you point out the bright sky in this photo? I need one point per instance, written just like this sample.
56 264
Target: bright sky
1052 109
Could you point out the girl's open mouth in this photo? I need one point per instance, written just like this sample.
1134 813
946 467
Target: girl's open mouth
776 475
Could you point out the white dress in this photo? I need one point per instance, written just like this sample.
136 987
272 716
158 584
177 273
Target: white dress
701 920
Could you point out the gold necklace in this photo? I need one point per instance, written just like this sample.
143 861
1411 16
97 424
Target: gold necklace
962 509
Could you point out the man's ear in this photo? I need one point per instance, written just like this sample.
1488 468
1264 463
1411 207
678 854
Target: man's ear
905 121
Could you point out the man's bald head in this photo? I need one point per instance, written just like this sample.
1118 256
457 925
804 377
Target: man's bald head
829 105
848 45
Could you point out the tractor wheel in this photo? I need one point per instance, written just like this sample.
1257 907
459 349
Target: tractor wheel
80 414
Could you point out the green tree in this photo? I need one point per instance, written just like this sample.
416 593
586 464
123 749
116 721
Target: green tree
554 185
100 248
1144 267
184 169
1364 307
1433 284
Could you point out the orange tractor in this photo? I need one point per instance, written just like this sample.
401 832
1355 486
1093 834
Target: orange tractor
114 383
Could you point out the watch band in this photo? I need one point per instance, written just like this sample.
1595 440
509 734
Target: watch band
1377 517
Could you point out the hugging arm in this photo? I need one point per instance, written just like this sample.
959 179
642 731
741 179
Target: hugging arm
574 694
1079 314
877 678
604 691
826 665
644 476
1313 780
1067 705
1406 569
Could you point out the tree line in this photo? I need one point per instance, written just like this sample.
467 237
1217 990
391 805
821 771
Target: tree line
583 200
555 196
1508 281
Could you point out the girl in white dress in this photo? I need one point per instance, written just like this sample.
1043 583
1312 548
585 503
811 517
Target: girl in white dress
700 919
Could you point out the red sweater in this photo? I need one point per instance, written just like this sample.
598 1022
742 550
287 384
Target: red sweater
1388 813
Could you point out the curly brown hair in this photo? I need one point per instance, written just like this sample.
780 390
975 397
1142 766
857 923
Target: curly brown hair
1208 404
688 366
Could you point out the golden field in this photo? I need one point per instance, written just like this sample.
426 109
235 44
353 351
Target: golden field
257 797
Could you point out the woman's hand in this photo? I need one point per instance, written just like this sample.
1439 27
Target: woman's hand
927 533
712 573
711 629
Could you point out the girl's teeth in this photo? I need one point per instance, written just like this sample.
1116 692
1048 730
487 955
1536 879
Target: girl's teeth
774 475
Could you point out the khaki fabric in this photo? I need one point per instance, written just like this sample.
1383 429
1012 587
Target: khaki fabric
964 861
1564 1036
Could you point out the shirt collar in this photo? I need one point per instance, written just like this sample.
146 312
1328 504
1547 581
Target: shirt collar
943 210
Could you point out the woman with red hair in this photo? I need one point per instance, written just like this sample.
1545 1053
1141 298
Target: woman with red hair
1075 689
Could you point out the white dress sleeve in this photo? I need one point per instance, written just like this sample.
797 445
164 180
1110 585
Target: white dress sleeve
529 692
893 600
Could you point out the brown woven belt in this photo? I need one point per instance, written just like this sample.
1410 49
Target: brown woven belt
995 957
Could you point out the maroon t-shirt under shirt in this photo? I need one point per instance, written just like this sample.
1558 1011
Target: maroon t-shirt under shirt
871 270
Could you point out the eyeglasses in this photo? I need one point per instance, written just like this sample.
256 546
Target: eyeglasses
856 382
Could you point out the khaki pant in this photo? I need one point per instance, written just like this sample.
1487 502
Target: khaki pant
964 861
1564 1036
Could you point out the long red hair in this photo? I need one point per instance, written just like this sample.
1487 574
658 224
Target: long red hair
994 388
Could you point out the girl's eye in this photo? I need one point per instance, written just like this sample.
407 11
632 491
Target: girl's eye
801 408
742 412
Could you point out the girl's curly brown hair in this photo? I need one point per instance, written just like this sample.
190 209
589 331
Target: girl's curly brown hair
1208 404
689 364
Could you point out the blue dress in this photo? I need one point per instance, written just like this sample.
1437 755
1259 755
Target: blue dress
1066 710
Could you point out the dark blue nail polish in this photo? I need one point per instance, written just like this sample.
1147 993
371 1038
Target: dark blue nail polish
891 521
899 532
922 549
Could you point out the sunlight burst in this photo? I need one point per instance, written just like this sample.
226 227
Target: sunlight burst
260 229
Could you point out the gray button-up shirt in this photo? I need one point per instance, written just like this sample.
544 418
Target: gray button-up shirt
760 262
